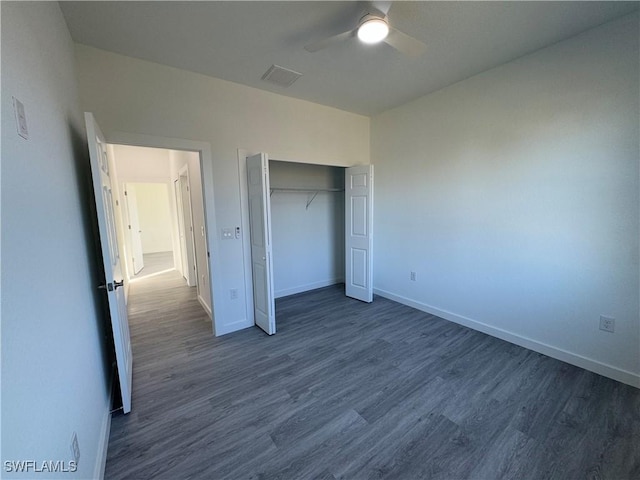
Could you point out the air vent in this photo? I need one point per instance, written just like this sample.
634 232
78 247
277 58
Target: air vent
280 76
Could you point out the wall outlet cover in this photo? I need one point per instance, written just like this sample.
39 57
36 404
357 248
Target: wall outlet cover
607 324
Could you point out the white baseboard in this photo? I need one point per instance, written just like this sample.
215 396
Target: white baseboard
103 443
305 288
595 366
206 307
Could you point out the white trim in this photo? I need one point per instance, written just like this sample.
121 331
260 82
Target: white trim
103 440
309 286
590 364
206 165
205 306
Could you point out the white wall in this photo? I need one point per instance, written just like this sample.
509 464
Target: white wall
136 164
192 161
514 195
135 96
54 374
308 244
155 218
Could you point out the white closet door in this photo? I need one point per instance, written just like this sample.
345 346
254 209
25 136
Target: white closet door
359 232
260 227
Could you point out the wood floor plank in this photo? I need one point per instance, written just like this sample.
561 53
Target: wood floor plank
349 390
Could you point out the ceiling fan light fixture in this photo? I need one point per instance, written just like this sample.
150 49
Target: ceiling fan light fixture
373 30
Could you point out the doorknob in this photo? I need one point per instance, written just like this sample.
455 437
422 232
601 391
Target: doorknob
111 286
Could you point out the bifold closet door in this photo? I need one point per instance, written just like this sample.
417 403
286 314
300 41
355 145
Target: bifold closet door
358 189
261 250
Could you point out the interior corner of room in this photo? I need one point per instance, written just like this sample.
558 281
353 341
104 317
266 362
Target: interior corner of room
507 202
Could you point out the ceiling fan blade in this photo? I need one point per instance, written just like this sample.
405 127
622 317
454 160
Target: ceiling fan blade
404 43
327 42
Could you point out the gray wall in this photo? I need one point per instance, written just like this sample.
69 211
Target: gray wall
53 371
514 196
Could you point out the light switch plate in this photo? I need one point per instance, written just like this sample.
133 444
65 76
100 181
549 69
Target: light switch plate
21 118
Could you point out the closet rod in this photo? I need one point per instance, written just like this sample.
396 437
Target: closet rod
293 189
315 192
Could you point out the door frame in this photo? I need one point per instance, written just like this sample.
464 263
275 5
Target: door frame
206 167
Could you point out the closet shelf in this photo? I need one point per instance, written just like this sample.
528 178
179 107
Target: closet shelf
315 191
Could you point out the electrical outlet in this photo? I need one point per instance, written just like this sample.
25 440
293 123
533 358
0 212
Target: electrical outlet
233 293
413 276
75 448
607 324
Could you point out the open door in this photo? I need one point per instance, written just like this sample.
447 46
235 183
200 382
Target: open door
110 257
261 256
187 224
358 189
135 234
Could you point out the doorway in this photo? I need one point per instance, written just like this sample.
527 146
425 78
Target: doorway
161 228
148 225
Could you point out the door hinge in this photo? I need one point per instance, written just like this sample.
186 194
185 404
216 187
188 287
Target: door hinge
129 227
125 193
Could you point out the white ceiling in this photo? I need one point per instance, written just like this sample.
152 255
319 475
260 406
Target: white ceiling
239 41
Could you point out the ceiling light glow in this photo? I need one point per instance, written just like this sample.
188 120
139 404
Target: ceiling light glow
373 30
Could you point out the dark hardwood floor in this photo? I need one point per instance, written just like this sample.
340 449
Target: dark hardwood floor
357 391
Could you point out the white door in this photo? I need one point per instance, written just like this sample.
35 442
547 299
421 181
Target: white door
110 257
187 224
183 245
358 189
260 228
135 234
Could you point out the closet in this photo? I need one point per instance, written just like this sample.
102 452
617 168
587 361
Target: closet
307 226
310 227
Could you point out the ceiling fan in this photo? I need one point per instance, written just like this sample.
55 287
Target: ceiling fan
374 27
